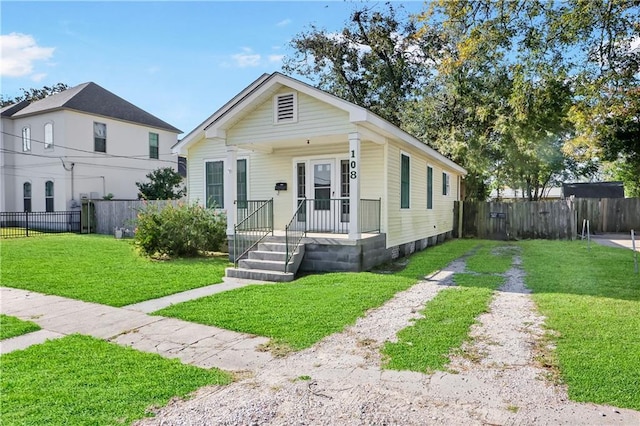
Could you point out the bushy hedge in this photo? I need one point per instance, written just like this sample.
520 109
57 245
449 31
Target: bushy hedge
181 230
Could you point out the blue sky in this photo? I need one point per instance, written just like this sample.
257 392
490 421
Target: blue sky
180 61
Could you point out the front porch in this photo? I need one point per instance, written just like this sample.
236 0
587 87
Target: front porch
320 236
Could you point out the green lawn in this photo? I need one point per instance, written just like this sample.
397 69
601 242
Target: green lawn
591 298
82 380
100 269
426 345
301 313
12 327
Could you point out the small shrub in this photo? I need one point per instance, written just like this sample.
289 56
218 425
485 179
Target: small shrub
184 230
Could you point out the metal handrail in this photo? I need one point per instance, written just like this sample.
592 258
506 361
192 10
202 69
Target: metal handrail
294 232
254 226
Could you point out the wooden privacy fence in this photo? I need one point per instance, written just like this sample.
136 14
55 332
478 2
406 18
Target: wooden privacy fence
112 214
556 220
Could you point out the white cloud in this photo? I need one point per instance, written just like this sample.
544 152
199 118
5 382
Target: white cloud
19 52
283 23
247 58
276 58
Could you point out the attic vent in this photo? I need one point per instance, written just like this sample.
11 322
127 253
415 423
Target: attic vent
286 108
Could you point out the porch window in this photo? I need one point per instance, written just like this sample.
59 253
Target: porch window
26 196
26 139
404 181
99 137
446 190
214 175
344 191
322 186
48 196
242 184
48 136
154 146
429 187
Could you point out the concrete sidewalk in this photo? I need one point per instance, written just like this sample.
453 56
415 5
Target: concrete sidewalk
195 344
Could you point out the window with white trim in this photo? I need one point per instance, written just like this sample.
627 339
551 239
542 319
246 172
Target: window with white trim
446 189
26 139
285 108
429 187
154 145
99 137
26 196
405 175
214 184
48 196
48 135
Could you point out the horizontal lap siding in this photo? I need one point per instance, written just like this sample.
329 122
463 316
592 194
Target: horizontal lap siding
314 118
417 222
198 153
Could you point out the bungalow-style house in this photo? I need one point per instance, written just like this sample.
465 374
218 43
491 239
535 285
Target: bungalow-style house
311 182
85 142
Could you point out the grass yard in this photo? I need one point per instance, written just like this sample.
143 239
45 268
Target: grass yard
297 315
12 327
82 380
101 269
427 344
591 299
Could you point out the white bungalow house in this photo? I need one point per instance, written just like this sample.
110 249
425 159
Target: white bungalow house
300 171
85 142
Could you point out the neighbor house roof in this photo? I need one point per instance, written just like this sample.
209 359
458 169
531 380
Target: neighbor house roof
613 189
9 110
93 99
267 84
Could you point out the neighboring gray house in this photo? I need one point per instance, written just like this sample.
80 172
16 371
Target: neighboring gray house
83 142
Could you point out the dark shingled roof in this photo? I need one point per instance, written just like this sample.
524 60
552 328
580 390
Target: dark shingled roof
93 99
594 190
9 110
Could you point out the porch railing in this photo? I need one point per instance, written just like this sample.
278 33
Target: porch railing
254 223
25 224
294 231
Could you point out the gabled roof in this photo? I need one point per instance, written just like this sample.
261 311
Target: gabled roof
93 99
9 110
267 84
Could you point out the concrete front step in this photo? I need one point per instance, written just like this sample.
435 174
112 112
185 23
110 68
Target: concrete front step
267 265
272 246
267 255
260 274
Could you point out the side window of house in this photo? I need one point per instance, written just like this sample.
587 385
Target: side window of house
153 145
242 184
26 139
446 190
404 181
214 184
429 187
99 137
26 196
48 136
48 196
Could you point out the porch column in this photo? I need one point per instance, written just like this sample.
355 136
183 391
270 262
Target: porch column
230 186
354 186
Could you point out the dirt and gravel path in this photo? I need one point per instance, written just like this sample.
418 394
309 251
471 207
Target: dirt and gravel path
339 380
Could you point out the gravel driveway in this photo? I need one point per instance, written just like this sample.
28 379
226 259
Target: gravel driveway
339 380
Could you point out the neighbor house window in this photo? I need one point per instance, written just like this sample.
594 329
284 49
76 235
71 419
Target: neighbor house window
26 196
445 184
48 196
26 139
48 136
404 181
242 184
153 145
214 176
286 108
429 187
99 137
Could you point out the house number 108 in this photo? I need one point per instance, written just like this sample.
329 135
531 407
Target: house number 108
352 165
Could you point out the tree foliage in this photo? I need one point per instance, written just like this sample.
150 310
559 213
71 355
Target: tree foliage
522 93
33 94
164 184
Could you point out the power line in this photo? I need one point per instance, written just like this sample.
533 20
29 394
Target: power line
99 155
